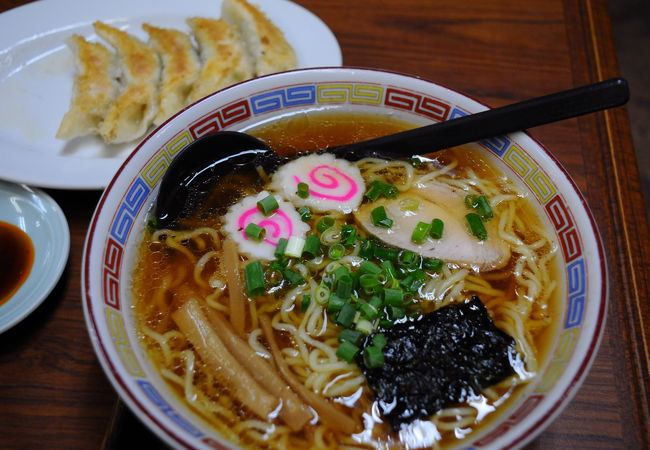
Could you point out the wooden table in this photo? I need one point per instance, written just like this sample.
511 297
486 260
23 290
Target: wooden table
53 393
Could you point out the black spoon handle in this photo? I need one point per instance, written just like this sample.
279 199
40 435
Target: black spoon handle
493 122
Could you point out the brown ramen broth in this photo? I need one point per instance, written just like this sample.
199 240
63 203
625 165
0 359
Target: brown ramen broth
175 268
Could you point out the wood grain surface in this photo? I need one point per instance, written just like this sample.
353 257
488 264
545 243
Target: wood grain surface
53 393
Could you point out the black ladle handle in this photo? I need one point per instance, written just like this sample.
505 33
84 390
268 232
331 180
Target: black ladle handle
492 122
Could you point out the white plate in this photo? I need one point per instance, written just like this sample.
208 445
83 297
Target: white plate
41 218
37 72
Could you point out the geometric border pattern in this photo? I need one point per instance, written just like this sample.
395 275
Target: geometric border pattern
340 93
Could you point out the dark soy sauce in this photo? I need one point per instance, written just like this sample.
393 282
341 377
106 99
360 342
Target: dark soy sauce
16 259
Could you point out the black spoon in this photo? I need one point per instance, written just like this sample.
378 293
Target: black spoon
193 173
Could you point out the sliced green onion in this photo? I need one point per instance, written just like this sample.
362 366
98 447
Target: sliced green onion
379 341
365 326
379 188
437 226
254 276
369 311
420 232
368 280
305 213
304 304
393 297
344 285
348 235
408 259
353 336
347 350
397 313
385 253
470 201
322 295
324 223
336 251
293 277
255 232
432 264
413 281
409 204
341 271
386 323
483 207
282 246
294 247
367 248
389 269
273 277
335 303
373 358
303 190
369 267
346 315
476 226
379 217
311 247
267 205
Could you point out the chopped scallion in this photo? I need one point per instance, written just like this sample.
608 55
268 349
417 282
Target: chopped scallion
324 223
373 358
437 227
344 285
303 190
335 303
379 217
393 297
305 213
353 336
369 267
267 205
365 326
483 207
322 295
293 277
348 235
346 315
311 247
255 232
346 351
368 280
294 247
280 249
304 304
379 341
432 264
420 232
476 226
254 276
336 251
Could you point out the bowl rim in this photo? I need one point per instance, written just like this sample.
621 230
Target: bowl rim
170 436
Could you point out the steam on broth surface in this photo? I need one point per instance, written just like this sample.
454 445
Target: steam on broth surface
194 314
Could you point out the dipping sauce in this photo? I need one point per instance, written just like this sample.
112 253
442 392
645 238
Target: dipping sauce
17 253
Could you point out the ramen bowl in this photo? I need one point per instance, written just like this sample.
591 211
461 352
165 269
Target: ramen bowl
121 218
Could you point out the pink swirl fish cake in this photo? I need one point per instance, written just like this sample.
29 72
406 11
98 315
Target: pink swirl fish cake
334 184
284 222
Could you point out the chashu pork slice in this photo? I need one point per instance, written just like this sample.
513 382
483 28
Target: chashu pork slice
457 244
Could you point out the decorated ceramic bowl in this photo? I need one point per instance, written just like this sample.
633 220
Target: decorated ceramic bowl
513 412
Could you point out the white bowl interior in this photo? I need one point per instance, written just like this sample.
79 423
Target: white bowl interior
120 218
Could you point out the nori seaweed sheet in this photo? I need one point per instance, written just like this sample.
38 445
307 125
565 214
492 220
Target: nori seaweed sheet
438 360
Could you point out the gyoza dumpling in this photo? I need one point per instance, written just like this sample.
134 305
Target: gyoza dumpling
137 104
93 91
265 43
180 69
222 55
